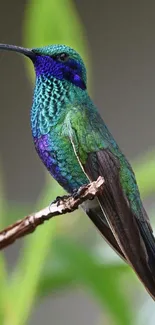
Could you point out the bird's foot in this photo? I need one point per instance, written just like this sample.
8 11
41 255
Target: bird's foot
59 199
78 192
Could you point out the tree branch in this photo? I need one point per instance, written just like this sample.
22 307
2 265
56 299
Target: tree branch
61 205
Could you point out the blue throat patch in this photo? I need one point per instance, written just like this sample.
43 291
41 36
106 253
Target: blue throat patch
70 70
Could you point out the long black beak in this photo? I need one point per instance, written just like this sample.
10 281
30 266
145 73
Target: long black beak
28 52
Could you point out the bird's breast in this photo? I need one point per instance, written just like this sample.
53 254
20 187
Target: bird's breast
57 154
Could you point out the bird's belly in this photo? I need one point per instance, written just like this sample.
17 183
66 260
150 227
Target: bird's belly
59 158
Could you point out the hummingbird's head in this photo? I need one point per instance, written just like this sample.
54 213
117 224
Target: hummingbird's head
60 62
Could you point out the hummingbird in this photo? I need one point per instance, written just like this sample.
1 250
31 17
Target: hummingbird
76 147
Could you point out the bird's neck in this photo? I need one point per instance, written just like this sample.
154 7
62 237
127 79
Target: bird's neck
51 101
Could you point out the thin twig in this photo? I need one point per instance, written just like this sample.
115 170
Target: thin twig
61 205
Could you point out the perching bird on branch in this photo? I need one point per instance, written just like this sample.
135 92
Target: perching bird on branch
76 147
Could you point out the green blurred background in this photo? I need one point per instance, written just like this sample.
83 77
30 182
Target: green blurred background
65 273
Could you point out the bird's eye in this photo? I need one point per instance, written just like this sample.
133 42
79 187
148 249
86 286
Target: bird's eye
63 57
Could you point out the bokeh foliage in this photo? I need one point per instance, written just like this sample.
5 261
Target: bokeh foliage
51 259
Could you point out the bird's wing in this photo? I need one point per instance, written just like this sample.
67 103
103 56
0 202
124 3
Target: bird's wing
94 211
132 234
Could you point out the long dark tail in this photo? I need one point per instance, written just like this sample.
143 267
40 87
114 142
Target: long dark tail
97 217
132 239
132 235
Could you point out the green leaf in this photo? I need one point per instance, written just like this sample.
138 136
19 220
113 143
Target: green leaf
103 283
3 202
144 168
46 22
4 292
18 211
58 275
54 280
30 265
55 22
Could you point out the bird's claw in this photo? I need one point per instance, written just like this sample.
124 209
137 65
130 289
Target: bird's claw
59 199
78 192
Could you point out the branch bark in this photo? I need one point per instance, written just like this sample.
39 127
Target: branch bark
61 205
